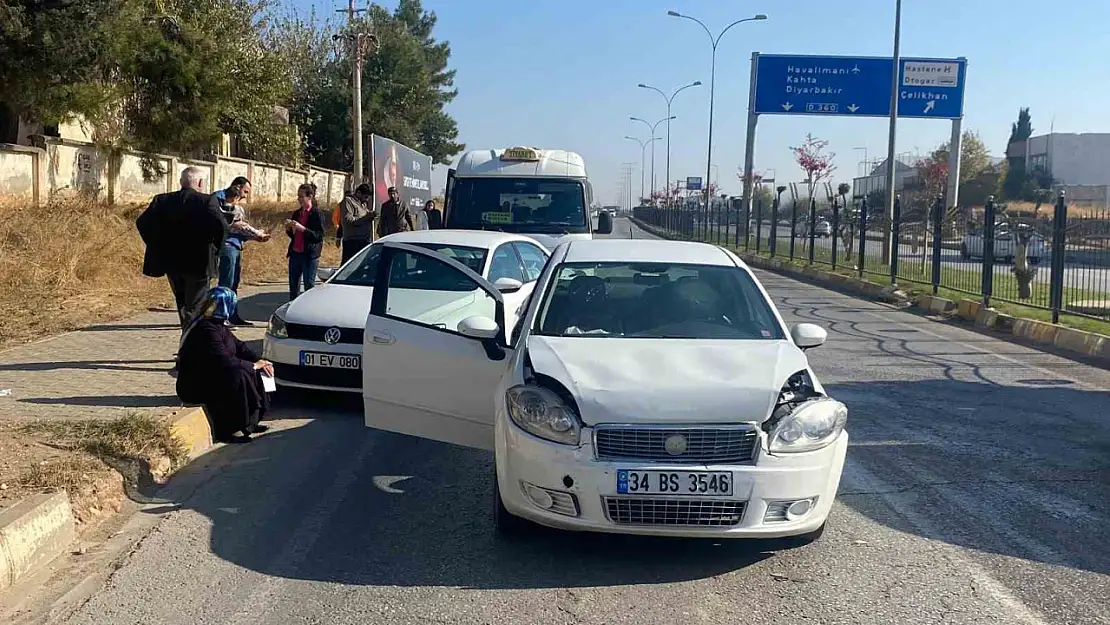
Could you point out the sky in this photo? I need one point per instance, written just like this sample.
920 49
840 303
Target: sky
564 74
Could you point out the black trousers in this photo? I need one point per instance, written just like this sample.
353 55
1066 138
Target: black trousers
352 247
188 293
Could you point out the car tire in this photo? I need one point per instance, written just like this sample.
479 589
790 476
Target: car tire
801 540
505 523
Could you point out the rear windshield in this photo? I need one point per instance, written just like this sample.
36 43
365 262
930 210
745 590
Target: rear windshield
641 300
361 270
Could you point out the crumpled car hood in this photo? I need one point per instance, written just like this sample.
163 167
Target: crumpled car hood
619 380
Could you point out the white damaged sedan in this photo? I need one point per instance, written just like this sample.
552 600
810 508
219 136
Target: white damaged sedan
650 387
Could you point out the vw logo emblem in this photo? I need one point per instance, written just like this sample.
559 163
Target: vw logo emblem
331 336
675 445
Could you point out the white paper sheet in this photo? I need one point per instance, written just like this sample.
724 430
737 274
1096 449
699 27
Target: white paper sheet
269 383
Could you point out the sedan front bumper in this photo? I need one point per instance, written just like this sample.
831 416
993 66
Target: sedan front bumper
584 491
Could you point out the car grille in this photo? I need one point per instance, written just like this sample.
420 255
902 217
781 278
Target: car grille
352 336
685 512
319 376
705 445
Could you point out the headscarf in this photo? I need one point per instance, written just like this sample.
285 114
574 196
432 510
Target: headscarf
219 304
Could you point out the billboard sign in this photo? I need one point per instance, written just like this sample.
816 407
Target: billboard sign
397 165
693 183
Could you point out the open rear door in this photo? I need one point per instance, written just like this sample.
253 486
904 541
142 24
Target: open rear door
447 194
421 376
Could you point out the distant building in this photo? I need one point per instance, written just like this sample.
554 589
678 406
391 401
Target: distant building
904 176
1081 159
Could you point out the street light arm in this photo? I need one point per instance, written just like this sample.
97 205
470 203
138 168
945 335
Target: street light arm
746 19
646 123
696 83
655 89
702 24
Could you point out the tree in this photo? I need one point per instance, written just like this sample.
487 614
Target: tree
53 60
406 83
1022 129
816 164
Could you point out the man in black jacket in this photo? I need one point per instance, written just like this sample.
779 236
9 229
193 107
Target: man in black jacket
183 232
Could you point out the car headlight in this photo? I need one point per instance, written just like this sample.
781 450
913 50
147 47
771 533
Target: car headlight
542 413
277 327
812 425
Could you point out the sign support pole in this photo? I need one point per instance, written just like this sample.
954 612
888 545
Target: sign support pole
749 143
891 168
954 153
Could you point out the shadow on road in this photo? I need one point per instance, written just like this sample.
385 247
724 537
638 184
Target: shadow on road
333 501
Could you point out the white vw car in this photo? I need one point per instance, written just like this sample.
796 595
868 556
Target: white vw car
650 387
316 340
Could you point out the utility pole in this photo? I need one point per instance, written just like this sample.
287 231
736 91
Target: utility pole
357 43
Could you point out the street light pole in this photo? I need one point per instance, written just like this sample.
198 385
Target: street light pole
653 138
712 86
669 100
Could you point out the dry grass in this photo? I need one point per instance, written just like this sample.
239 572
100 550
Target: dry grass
74 263
135 437
68 473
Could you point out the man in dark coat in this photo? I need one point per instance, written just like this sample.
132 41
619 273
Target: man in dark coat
183 232
395 216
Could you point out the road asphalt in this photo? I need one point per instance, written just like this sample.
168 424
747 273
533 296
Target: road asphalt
977 490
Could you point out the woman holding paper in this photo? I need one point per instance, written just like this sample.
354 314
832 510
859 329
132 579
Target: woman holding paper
222 373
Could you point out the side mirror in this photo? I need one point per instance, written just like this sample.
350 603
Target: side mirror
507 285
604 223
808 335
325 273
479 327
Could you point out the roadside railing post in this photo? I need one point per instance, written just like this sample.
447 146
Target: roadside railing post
862 234
793 225
1059 249
938 218
759 225
896 238
988 251
812 226
773 236
835 230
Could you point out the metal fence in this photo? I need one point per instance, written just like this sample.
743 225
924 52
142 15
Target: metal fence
1056 259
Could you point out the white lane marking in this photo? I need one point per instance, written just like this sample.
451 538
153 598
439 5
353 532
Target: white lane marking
864 480
385 483
286 561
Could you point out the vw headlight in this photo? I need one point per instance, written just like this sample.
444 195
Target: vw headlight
277 327
812 425
542 413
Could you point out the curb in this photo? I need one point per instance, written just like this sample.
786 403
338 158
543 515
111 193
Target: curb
32 533
41 527
1039 333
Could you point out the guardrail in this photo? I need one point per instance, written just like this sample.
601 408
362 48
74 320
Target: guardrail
1058 261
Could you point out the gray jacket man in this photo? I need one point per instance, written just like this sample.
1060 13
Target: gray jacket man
356 218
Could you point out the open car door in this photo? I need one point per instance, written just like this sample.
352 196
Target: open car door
425 374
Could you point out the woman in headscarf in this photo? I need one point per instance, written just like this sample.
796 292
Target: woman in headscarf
222 373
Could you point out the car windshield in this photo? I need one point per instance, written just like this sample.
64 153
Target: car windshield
541 205
361 271
649 300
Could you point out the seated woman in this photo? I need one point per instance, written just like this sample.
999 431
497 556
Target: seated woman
220 372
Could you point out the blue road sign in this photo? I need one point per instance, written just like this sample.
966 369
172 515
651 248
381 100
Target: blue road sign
693 183
858 86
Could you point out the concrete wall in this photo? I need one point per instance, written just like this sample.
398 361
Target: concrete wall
18 173
67 167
